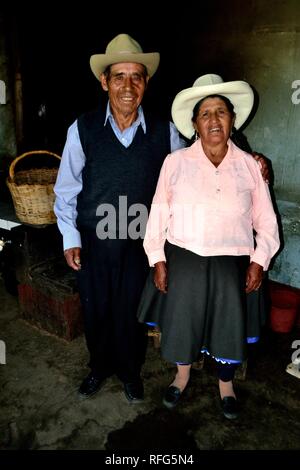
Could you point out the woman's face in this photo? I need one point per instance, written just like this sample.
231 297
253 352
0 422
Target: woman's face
214 121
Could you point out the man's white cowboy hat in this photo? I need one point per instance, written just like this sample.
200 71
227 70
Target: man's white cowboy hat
123 48
238 92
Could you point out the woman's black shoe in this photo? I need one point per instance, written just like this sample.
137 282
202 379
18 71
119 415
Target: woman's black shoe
172 396
229 407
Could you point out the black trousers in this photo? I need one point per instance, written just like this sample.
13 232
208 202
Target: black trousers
110 284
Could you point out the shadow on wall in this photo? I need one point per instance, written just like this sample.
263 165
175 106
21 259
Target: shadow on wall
241 141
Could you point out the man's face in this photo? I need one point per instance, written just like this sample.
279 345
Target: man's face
126 86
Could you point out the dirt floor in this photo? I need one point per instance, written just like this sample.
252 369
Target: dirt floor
40 409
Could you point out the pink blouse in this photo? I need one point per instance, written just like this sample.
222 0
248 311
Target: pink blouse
212 210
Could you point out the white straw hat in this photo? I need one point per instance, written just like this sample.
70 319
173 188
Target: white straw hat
238 92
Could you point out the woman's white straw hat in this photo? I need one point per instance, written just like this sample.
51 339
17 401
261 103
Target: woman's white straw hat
238 92
123 48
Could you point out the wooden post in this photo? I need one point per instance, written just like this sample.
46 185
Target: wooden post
19 109
12 31
155 333
241 371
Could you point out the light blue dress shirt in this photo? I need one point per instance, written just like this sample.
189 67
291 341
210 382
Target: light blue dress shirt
69 180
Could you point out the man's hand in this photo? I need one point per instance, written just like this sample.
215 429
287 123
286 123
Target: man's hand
254 277
160 276
265 171
72 256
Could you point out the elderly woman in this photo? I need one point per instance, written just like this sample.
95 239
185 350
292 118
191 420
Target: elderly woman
211 233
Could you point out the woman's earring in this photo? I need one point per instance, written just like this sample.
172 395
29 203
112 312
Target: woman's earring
196 136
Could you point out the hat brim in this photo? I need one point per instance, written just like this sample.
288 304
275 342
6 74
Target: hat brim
99 62
238 92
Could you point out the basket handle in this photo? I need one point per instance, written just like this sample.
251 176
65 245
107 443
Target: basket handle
16 160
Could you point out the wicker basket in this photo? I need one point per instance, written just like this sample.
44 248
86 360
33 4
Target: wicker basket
32 191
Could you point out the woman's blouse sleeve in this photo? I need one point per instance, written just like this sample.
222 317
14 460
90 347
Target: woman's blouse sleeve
157 226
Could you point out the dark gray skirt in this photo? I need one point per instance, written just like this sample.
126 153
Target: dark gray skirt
205 308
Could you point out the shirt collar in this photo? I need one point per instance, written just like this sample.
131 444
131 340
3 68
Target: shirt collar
140 119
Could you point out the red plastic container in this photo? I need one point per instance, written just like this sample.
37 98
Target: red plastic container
284 309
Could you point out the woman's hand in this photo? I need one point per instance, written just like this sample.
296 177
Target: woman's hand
254 277
160 276
72 256
265 171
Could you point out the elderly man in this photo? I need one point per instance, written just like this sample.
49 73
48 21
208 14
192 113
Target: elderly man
111 162
108 173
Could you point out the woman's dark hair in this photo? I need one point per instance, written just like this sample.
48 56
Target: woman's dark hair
229 105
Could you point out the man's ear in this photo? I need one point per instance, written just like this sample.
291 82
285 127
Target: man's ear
103 82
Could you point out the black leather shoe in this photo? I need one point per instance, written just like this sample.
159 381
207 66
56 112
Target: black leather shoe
229 407
134 391
172 396
90 385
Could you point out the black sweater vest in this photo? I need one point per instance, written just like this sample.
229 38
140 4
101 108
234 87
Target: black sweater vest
112 170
